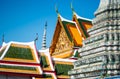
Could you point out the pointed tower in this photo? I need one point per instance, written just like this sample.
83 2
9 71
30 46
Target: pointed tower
100 56
44 37
106 5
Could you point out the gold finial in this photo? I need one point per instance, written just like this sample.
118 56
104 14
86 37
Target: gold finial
56 9
72 8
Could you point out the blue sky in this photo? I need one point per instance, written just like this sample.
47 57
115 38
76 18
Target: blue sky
20 20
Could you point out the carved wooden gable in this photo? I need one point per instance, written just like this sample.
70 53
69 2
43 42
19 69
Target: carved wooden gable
63 44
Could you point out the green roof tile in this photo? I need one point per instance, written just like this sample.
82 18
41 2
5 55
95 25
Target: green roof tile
62 69
19 53
44 62
18 67
47 76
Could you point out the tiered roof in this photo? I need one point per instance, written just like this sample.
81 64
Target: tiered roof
57 68
75 32
47 64
22 58
19 59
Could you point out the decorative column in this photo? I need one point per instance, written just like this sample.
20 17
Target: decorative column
110 36
110 65
115 36
117 64
105 37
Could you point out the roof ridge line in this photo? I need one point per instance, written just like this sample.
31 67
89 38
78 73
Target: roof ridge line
64 19
82 17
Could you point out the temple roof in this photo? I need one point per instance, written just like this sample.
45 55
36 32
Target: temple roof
71 30
82 18
59 65
46 60
62 67
83 24
75 31
19 58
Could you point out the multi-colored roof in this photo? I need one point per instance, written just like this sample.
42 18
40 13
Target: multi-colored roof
72 31
83 24
62 66
20 59
46 60
57 68
66 36
47 64
69 34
